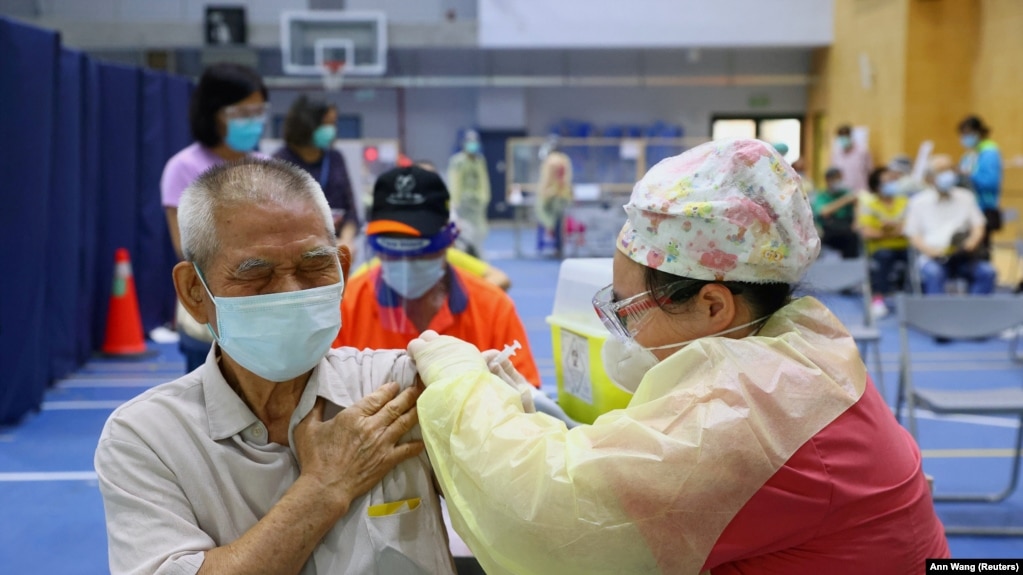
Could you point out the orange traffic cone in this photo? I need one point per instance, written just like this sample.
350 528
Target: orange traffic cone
124 324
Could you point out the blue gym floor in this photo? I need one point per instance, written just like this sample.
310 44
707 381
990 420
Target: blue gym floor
51 514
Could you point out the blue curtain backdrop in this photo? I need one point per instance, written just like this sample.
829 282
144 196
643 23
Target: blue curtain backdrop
29 70
117 203
63 260
83 146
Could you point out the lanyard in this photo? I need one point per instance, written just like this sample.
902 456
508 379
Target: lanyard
325 170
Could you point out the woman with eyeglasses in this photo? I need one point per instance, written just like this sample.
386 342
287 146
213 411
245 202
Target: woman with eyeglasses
227 115
754 442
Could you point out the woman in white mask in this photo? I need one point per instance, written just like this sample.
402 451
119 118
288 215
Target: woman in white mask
754 442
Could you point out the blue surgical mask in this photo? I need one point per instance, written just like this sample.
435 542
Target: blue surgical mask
969 140
472 147
844 141
945 180
324 135
243 133
412 278
278 336
891 189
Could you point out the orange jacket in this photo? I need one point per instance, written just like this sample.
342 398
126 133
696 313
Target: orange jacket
476 311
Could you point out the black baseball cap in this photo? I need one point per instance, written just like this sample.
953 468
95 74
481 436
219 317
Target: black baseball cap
409 201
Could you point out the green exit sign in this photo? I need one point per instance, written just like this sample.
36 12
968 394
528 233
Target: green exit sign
759 101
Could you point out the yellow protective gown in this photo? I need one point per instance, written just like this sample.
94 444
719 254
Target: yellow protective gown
651 487
469 184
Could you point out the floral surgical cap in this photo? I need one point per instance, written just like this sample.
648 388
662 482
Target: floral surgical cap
728 210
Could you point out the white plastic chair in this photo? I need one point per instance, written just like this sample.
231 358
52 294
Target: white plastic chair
961 317
835 276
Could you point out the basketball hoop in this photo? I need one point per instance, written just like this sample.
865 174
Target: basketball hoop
333 75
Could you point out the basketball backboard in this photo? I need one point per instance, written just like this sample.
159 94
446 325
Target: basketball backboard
311 38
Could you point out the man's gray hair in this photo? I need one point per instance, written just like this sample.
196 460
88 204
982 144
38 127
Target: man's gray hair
237 185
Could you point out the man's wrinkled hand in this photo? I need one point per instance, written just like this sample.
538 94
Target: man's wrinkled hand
440 356
352 452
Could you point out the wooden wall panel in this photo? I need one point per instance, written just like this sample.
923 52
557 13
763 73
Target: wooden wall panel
940 56
873 32
998 85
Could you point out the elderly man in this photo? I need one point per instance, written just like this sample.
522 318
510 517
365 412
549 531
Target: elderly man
277 455
945 225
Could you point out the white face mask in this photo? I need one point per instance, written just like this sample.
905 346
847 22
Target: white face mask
278 336
412 278
945 180
626 362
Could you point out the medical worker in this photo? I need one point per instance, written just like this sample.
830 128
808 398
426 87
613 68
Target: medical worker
754 442
469 183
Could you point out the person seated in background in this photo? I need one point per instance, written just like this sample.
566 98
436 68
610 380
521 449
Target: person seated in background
310 129
833 211
413 288
461 260
902 166
945 225
879 219
278 455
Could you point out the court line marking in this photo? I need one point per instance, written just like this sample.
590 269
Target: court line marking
25 476
114 383
82 404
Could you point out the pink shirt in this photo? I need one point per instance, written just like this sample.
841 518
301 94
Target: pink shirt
855 165
851 500
183 168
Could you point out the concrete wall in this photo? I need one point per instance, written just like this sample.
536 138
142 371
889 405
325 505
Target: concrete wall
432 116
653 23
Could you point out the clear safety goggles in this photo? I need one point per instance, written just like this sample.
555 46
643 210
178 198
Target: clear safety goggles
624 318
247 111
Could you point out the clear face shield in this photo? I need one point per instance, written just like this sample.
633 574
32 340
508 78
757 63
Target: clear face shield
411 267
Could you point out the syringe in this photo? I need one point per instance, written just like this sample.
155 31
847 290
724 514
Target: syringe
507 352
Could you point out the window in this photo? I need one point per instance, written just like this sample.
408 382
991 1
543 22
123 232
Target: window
774 130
